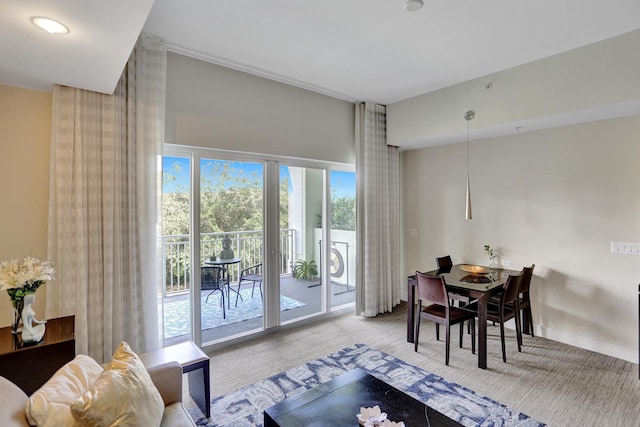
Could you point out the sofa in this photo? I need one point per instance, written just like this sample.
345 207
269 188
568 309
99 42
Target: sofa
167 378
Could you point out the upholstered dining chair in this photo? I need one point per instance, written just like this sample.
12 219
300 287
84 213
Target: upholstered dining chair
253 275
215 278
445 263
506 309
433 291
524 301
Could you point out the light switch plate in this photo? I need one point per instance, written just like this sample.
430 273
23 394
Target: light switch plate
625 248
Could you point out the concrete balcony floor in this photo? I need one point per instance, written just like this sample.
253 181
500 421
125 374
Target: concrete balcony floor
307 292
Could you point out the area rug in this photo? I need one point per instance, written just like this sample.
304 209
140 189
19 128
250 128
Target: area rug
244 407
177 317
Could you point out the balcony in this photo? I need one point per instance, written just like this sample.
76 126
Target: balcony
245 244
299 298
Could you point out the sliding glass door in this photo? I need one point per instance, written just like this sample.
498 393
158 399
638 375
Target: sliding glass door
342 246
302 206
231 242
176 249
244 244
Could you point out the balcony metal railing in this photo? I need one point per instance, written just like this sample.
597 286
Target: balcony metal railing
245 244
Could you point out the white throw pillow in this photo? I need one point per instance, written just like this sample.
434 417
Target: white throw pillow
50 405
123 395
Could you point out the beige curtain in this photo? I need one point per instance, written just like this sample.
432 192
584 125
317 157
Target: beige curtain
104 187
378 213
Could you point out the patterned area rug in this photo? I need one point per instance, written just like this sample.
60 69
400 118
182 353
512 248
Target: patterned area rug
244 407
176 313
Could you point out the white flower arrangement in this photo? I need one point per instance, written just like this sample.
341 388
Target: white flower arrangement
370 417
21 278
374 417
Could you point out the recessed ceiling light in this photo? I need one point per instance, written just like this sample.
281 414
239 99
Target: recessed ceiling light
49 25
413 5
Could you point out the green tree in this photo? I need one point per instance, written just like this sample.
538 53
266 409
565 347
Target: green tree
175 213
284 203
230 200
175 205
343 213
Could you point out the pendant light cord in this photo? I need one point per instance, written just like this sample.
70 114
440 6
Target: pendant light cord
467 149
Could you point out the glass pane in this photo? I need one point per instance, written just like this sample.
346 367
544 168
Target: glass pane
176 208
231 220
231 212
301 200
342 256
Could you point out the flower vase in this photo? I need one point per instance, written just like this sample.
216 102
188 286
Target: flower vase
16 319
493 263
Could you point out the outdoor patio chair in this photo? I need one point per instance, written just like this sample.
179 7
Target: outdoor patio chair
251 274
215 278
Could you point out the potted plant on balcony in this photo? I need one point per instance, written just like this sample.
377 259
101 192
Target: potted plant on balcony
305 269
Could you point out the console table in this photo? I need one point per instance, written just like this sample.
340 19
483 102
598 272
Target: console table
29 366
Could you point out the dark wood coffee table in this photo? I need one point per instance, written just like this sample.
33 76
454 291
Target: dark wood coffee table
337 402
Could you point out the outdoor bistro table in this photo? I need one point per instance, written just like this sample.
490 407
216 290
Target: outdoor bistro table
480 286
224 263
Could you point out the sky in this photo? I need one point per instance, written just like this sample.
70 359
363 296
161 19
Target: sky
342 183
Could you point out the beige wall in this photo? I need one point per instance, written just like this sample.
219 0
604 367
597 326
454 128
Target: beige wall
25 129
556 198
213 106
207 105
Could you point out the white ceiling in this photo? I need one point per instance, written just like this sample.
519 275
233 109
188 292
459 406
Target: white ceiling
351 49
93 54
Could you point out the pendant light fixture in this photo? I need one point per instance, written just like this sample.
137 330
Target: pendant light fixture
468 116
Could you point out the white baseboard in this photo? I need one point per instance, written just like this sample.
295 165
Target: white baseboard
587 343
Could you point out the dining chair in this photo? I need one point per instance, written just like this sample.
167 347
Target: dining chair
445 263
251 274
506 309
524 301
215 278
432 289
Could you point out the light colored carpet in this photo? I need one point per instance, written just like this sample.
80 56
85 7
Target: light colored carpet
551 382
244 407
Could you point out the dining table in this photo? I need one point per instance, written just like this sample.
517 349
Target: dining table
477 282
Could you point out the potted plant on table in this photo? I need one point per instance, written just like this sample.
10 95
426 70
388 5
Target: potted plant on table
493 256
